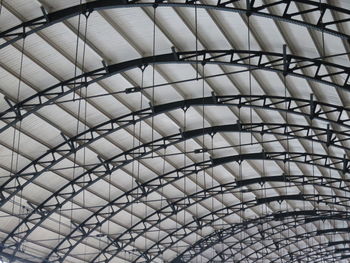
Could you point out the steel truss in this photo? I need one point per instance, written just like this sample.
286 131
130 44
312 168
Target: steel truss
175 206
209 219
308 252
271 61
134 195
71 145
316 253
263 234
289 14
276 62
300 218
52 204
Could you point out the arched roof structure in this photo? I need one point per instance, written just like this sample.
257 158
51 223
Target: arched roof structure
174 131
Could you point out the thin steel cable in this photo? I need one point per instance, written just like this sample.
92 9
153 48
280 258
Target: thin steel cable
132 181
250 72
77 49
162 198
84 95
185 164
16 148
79 114
153 67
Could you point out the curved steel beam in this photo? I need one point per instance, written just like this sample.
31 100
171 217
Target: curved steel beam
311 254
207 220
71 145
300 218
276 62
289 14
307 235
54 201
313 216
266 128
275 242
168 210
220 235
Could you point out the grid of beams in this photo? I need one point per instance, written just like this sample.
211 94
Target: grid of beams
279 128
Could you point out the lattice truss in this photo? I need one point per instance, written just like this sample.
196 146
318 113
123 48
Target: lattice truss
174 131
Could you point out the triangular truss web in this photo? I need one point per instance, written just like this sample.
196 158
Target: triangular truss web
174 131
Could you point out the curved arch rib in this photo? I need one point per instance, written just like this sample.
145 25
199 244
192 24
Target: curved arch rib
156 218
220 235
35 102
313 215
208 219
71 145
258 9
106 165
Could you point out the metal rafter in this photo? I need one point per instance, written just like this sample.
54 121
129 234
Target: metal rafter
56 200
259 9
213 216
301 217
271 61
178 204
155 218
334 134
313 215
222 234
69 145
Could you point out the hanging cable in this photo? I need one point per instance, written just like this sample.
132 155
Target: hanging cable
17 142
77 48
184 165
133 181
80 117
249 69
162 199
153 65
84 96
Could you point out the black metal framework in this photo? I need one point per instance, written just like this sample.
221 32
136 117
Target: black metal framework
276 62
134 195
279 244
176 205
288 14
71 145
299 218
52 204
271 61
209 219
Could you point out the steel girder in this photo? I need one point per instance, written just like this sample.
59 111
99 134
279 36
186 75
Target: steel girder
271 61
207 220
314 253
71 145
307 235
127 199
180 204
55 201
220 235
169 210
301 217
177 138
289 14
269 233
313 215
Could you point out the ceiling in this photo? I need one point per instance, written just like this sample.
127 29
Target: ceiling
174 131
